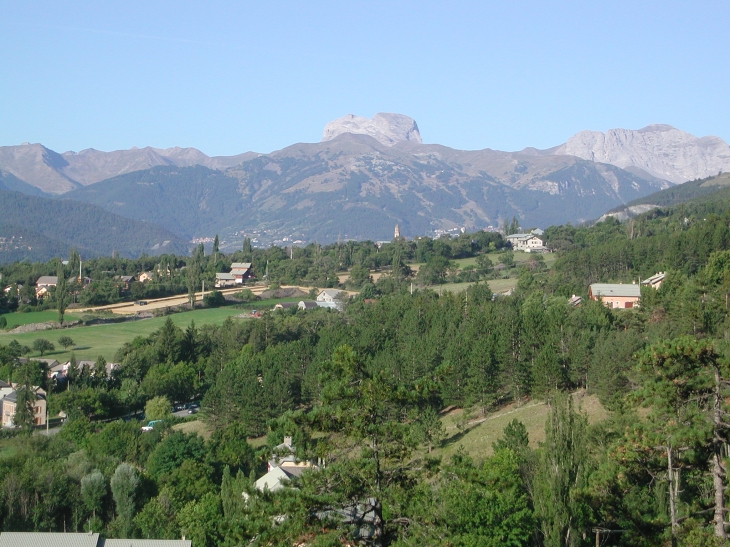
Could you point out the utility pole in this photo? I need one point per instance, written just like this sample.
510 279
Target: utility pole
599 531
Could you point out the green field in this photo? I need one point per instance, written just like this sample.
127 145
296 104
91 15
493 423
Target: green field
16 319
104 340
520 256
477 437
497 286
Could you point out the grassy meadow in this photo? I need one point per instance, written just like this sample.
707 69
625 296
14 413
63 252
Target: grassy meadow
96 340
476 437
17 319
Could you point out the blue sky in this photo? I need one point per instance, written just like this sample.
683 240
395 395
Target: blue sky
238 76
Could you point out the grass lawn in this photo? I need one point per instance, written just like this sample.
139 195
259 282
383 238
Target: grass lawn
106 339
196 426
519 256
502 285
199 427
497 286
16 319
477 438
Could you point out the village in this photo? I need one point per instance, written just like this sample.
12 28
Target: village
613 295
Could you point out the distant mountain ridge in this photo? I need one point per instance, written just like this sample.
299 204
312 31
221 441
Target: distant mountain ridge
55 173
37 228
353 186
366 175
660 150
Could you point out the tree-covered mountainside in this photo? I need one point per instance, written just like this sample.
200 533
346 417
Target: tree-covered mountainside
715 188
19 244
185 200
91 229
354 187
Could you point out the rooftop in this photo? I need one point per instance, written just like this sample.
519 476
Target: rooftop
615 289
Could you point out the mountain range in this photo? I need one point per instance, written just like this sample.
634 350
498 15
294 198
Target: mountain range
38 228
365 176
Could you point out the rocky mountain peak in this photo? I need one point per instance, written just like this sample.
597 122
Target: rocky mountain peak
387 128
657 128
660 150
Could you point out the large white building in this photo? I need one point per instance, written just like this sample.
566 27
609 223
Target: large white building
526 242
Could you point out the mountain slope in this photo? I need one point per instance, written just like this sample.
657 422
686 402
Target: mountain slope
660 150
696 191
13 183
55 173
89 228
18 243
354 186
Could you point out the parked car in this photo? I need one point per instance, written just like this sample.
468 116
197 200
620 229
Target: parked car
151 425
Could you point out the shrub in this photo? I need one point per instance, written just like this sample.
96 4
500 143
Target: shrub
214 299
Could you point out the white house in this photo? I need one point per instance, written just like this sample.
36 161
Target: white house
282 468
330 295
655 281
224 280
525 242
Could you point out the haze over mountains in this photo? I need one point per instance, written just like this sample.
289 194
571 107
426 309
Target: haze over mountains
365 176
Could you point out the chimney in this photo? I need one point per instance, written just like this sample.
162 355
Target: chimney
287 441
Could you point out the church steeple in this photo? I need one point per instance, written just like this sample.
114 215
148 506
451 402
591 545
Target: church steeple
396 234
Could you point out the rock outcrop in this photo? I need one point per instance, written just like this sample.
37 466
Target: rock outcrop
386 128
660 150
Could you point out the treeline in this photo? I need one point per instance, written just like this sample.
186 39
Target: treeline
314 265
678 239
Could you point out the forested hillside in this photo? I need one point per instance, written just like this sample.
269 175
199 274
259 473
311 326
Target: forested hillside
91 229
695 191
362 394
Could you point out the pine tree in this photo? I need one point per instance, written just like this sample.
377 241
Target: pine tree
684 386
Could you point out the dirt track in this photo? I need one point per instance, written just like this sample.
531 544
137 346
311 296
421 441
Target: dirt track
128 308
